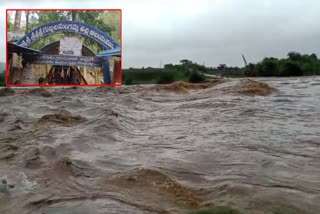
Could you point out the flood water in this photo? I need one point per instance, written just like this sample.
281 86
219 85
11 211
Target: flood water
134 150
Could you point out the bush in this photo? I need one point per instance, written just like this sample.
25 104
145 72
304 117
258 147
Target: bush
2 79
6 92
196 77
295 65
166 78
128 81
291 69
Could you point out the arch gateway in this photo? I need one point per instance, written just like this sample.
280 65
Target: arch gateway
61 60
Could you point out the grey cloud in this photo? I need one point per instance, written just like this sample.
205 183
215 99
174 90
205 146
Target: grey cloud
219 34
249 28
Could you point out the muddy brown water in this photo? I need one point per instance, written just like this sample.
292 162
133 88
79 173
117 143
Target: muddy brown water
135 150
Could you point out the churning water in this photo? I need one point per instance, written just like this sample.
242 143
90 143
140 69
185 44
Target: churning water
135 150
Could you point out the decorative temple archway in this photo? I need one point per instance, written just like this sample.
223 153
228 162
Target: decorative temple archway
101 59
53 49
68 27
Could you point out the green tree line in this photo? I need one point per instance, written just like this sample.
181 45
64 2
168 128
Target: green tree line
186 71
295 64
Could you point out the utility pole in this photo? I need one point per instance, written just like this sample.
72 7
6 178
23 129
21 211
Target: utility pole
245 61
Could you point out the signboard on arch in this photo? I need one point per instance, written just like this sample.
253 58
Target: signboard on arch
70 45
88 61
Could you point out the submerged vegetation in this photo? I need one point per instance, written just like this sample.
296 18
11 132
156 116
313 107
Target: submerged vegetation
227 210
6 92
219 210
295 64
2 74
2 79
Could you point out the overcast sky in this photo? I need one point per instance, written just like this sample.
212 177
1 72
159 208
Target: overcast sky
205 31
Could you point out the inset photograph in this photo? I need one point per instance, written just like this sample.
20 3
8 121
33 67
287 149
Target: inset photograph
64 47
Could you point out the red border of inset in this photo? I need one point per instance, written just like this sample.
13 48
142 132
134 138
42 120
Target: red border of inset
37 85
